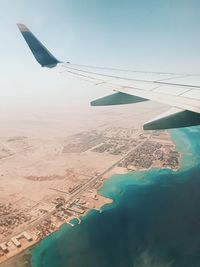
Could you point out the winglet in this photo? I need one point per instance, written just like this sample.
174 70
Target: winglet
40 52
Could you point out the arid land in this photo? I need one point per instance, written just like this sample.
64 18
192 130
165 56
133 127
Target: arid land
47 180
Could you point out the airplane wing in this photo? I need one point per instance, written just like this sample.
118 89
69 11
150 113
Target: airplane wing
183 97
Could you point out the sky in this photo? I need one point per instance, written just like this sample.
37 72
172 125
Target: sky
154 35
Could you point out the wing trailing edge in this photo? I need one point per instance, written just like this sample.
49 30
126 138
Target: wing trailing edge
39 51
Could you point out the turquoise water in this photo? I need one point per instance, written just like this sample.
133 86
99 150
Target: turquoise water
153 222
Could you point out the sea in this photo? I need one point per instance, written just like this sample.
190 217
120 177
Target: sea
154 220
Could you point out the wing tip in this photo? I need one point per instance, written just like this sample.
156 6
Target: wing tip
22 27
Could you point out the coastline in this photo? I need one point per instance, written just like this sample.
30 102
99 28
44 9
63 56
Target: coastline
110 181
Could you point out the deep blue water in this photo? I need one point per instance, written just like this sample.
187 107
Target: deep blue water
154 221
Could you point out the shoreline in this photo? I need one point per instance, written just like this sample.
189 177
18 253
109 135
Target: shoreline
11 261
112 173
8 262
69 222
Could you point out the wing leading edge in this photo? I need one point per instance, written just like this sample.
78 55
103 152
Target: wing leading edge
185 99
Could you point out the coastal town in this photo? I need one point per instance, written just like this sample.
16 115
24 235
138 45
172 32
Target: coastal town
49 199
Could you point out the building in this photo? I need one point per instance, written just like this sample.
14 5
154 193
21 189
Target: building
27 236
4 247
16 242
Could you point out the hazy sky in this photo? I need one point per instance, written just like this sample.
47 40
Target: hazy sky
158 35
